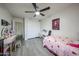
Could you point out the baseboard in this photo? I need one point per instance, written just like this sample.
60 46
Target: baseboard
33 38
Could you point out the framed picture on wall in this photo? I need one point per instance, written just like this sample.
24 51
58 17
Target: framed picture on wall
56 24
4 22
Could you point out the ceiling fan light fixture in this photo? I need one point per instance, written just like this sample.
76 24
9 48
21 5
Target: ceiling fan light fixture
37 13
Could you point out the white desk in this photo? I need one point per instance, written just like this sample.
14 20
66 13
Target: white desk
8 43
9 40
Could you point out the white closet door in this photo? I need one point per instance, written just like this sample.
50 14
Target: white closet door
33 29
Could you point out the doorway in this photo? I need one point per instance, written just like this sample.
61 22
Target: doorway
19 28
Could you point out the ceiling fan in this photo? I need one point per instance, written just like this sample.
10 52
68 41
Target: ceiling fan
37 12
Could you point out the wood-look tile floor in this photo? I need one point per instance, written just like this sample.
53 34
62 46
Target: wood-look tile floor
32 47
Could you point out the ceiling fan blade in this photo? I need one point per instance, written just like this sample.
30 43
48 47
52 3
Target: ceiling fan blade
29 11
47 8
42 14
34 5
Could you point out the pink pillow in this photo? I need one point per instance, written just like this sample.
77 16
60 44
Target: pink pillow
74 45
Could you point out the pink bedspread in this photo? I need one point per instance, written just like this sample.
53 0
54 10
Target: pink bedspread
60 46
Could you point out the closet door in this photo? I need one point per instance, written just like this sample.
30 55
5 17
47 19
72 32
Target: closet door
33 29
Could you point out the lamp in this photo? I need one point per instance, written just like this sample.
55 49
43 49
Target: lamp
37 13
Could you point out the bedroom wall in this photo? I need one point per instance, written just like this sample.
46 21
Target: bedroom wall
69 22
4 14
26 27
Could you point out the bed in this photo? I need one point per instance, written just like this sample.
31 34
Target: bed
61 46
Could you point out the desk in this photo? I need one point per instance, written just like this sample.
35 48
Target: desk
9 39
7 43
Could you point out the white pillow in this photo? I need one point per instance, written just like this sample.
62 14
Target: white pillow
76 41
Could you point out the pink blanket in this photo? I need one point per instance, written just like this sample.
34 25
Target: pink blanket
61 46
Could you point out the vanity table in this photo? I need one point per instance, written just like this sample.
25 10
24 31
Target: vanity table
7 44
8 38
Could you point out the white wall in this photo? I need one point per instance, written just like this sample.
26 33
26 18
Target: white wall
69 22
32 28
26 27
4 14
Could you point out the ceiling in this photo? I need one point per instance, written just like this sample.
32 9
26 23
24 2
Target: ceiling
18 9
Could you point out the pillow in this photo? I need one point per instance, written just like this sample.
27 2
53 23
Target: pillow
74 45
76 41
